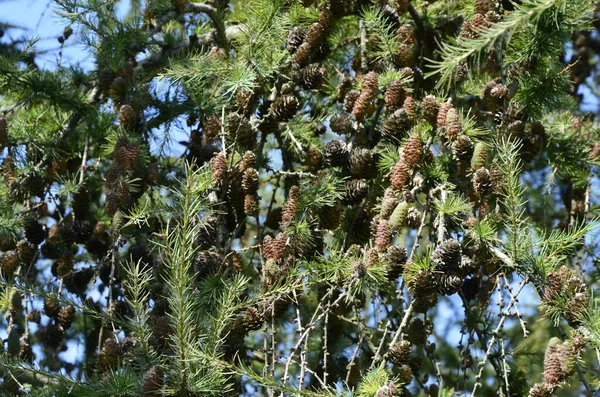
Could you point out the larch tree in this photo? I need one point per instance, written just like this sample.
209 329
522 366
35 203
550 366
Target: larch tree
303 198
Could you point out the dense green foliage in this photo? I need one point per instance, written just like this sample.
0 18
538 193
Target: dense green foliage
315 198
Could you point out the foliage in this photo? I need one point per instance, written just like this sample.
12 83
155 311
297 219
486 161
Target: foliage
298 197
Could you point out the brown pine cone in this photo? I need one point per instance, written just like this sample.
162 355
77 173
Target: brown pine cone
336 153
388 204
396 125
330 217
409 106
361 163
447 255
251 205
542 390
411 153
482 183
368 93
356 190
285 107
394 95
383 237
443 109
350 100
51 306
400 352
9 263
274 248
290 207
341 124
66 316
430 108
219 163
400 175
250 181
453 127
448 284
211 128
311 77
34 316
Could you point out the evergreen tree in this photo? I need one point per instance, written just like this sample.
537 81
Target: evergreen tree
303 197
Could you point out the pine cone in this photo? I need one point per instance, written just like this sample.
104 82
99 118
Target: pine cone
388 204
109 354
290 207
64 264
394 95
448 284
398 217
553 372
250 181
219 163
54 335
411 153
482 183
66 316
479 156
350 100
9 263
336 153
421 283
401 6
313 159
341 124
442 114
430 108
396 258
206 263
361 163
311 77
329 217
447 255
153 381
400 175
363 104
542 390
274 248
463 147
452 127
25 351
395 127
51 306
383 237
253 319
83 231
295 39
285 107
34 316
409 106
400 352
405 55
211 128
483 6
240 129
34 231
128 117
356 190
251 205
